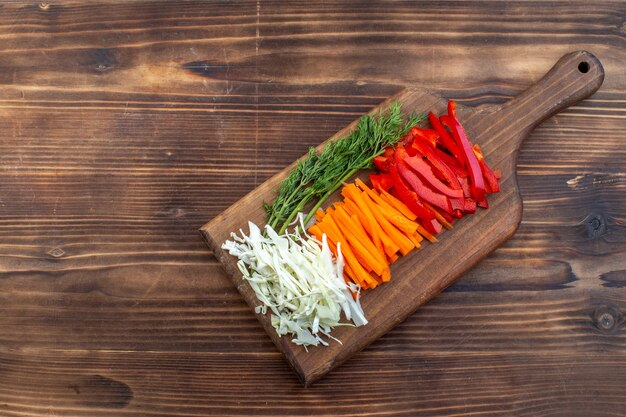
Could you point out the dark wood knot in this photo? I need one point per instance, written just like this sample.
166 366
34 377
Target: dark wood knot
101 392
607 318
101 60
595 225
56 252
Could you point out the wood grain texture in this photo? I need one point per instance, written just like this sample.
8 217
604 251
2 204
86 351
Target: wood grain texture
499 130
113 153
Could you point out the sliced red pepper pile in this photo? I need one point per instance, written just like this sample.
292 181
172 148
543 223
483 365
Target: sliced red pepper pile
437 172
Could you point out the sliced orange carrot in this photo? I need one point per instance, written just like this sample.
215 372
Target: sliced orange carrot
377 253
347 277
376 279
359 232
399 205
317 231
394 216
367 259
347 209
364 220
414 240
358 255
346 250
386 276
352 192
394 234
332 235
417 236
319 214
347 270
426 234
370 227
408 227
439 217
392 259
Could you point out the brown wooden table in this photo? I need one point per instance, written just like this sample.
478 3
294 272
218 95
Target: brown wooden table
126 126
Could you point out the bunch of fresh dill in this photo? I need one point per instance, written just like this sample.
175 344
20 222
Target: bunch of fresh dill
317 176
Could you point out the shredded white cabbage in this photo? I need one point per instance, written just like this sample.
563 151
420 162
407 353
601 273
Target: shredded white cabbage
298 280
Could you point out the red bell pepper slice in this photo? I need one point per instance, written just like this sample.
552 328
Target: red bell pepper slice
408 138
470 205
382 163
381 181
425 171
466 187
421 189
476 175
402 192
459 170
429 135
445 172
457 204
411 150
444 214
444 137
490 178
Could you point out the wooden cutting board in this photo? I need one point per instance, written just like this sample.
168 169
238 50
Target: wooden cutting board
423 274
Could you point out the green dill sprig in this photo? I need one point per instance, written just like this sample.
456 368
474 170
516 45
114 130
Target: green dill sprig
317 176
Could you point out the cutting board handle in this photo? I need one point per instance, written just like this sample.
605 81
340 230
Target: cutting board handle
574 77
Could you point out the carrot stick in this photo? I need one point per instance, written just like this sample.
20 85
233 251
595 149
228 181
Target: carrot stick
379 252
317 232
352 192
367 259
357 229
326 227
347 277
361 231
438 216
369 226
394 234
319 214
347 273
418 236
399 205
406 226
378 280
330 225
393 258
426 234
414 240
386 276
346 249
394 216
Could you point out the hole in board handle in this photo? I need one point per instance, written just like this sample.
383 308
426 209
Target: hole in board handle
583 67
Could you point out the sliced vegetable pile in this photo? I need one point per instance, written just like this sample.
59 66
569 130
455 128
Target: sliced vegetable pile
294 274
437 172
371 227
430 178
426 179
298 279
